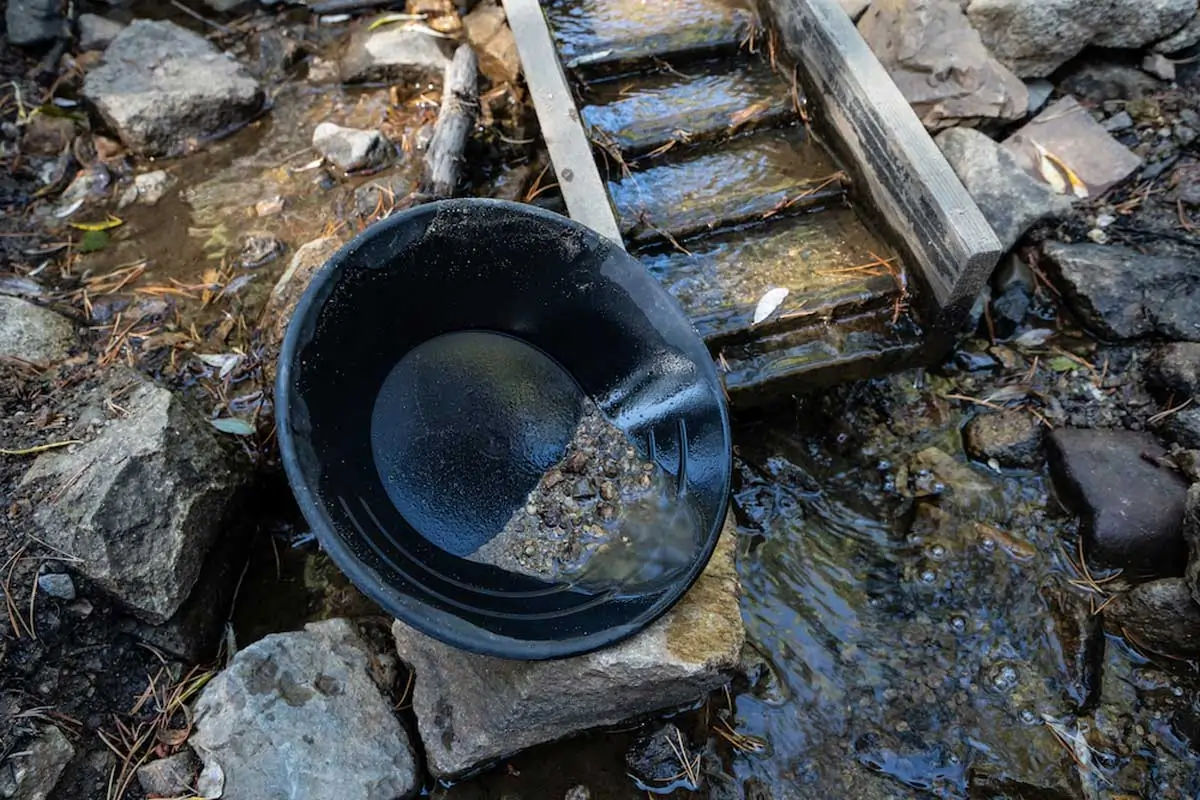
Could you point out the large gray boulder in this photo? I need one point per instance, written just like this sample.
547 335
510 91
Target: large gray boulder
940 65
141 501
1036 37
300 715
1120 293
1011 200
165 90
473 710
32 333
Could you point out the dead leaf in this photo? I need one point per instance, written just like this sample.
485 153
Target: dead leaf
388 19
768 303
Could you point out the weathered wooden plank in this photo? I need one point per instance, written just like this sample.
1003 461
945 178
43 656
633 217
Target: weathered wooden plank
568 144
907 178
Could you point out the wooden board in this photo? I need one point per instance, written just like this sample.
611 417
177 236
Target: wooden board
908 180
570 149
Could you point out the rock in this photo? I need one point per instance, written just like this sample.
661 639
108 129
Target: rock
936 472
349 148
1069 132
1010 200
940 65
33 773
194 633
1183 428
1131 509
473 710
32 333
97 32
1034 38
1121 121
277 53
57 585
140 503
1121 294
1076 640
47 135
1159 66
382 196
1039 90
257 248
301 710
291 285
1012 438
1100 81
147 188
1174 368
173 776
488 33
1191 535
1013 287
164 90
33 22
394 53
653 759
1182 39
1160 616
579 792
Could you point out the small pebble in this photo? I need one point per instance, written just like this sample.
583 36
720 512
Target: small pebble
58 585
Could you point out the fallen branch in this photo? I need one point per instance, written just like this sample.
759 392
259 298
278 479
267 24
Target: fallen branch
456 118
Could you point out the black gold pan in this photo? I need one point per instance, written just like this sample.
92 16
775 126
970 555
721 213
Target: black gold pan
435 368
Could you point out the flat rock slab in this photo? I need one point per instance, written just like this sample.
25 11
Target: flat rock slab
165 90
300 715
1132 509
394 53
1066 130
474 710
1011 200
32 333
140 503
1120 293
937 60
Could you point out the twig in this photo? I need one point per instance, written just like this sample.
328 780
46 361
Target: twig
200 17
41 448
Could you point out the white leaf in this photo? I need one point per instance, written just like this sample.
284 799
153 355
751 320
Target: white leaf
768 303
233 426
1035 337
70 209
224 362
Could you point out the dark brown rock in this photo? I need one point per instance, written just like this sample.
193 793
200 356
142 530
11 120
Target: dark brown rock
1160 616
1131 508
1076 639
1012 438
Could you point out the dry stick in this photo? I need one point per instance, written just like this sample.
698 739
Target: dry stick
456 118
